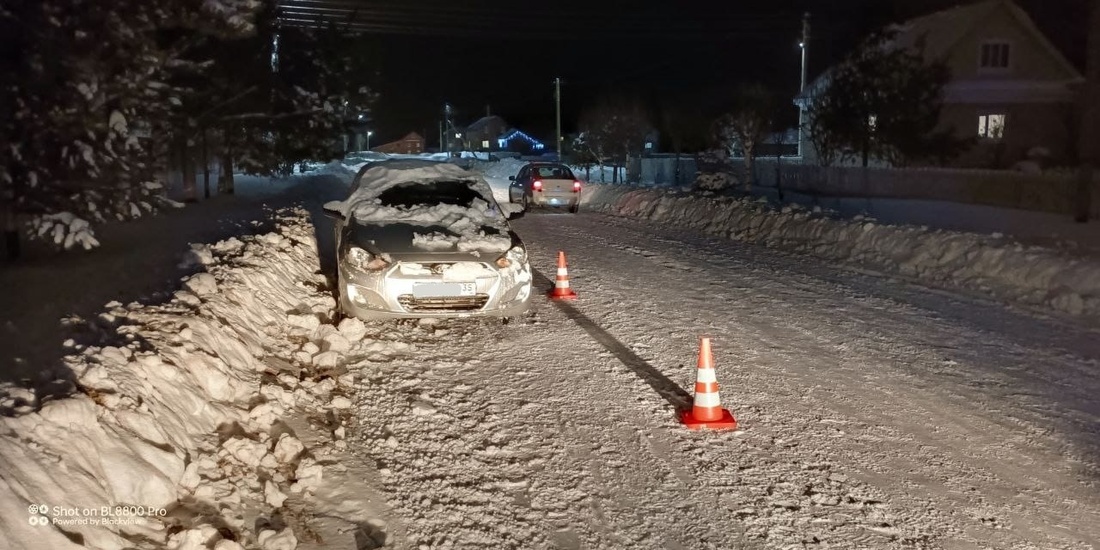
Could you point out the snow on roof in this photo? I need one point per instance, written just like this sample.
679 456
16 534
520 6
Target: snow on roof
477 227
484 122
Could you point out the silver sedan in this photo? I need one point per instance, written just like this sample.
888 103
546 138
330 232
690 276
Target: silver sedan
426 239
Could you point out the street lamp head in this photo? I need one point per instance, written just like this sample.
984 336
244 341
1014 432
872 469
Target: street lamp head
801 44
370 133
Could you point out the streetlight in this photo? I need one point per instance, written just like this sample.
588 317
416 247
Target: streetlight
368 139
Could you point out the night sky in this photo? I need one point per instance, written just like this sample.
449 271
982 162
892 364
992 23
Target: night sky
505 55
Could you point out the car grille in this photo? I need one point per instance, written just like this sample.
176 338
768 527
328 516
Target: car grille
442 303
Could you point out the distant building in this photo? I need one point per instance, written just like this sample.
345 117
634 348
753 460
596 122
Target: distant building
1010 87
412 144
483 133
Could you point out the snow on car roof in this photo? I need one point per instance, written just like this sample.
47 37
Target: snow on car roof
466 224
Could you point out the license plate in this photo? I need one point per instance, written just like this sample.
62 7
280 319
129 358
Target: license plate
553 201
431 290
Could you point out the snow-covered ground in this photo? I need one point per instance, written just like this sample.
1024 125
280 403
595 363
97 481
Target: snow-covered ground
874 413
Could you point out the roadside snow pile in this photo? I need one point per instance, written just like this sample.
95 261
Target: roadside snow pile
991 264
501 169
176 433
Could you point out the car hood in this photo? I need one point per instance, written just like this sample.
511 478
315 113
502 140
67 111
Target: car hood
436 243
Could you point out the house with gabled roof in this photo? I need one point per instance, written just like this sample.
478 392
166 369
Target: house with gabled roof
483 133
1010 88
411 144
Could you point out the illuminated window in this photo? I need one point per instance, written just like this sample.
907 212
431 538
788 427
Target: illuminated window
484 144
994 55
991 126
872 122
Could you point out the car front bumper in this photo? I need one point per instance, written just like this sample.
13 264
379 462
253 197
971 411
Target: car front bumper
390 294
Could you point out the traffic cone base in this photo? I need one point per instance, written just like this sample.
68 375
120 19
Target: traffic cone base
560 294
727 422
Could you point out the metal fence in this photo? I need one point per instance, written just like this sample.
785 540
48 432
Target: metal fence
1045 192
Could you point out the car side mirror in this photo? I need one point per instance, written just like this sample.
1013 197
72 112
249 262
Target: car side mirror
334 210
511 178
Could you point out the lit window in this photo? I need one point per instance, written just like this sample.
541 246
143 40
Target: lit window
484 144
872 122
994 55
991 126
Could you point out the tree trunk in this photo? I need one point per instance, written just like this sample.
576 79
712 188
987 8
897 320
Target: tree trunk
676 173
9 222
187 166
1090 120
750 167
779 171
205 167
225 182
615 173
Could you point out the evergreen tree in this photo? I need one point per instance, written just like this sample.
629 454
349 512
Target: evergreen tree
85 83
883 101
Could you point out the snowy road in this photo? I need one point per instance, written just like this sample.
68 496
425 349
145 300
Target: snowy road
874 414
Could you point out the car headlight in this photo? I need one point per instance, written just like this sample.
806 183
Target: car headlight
516 256
365 261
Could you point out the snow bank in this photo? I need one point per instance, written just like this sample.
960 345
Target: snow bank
991 264
173 434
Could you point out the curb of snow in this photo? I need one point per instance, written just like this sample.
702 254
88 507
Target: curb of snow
178 410
988 263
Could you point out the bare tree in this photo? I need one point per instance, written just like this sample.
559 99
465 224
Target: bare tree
613 130
747 124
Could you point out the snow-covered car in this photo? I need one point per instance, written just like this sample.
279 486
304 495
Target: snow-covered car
545 184
418 238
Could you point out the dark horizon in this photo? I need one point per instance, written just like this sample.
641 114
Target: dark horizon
503 57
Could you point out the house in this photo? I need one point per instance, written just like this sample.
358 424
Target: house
1010 87
411 144
483 133
514 140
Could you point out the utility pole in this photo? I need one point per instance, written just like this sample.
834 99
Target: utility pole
1089 150
449 125
440 136
557 108
804 45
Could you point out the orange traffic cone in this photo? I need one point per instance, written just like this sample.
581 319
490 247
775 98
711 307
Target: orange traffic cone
561 289
707 411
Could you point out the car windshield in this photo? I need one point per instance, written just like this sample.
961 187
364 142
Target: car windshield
407 195
554 172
